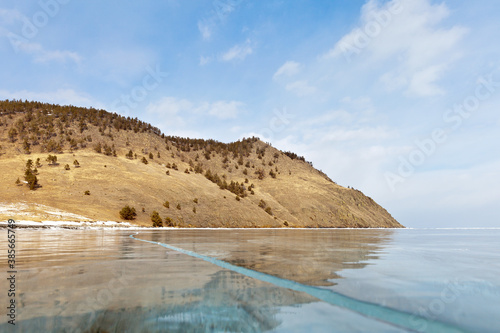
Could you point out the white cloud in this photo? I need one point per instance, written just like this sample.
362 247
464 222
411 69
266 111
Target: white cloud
225 110
10 16
24 45
289 68
363 134
422 82
301 88
60 96
204 60
182 108
205 29
238 52
170 106
411 38
41 55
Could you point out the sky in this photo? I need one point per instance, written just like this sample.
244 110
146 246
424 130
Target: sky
399 99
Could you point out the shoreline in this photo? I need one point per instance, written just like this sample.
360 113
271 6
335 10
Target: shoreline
113 225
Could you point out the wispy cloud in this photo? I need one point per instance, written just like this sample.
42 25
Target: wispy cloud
289 68
173 106
22 44
419 47
59 96
42 55
205 60
301 88
238 52
205 28
225 109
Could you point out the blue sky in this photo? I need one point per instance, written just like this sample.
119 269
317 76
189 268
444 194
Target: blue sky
396 98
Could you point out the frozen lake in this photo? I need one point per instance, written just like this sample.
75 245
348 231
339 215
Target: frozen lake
255 280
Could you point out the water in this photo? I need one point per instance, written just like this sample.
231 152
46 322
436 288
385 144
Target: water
270 280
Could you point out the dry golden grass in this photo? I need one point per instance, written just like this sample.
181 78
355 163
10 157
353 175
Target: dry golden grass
300 195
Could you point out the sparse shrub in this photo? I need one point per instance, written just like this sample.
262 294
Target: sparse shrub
186 171
195 200
98 148
238 198
245 172
52 159
272 174
268 210
128 213
130 155
156 219
166 204
260 173
18 181
12 134
76 163
168 172
151 156
87 192
285 224
178 206
144 160
262 204
66 167
194 210
169 222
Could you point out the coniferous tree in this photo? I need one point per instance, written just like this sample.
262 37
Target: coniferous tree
169 222
156 219
128 213
29 176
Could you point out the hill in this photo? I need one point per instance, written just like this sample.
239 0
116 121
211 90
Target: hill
104 162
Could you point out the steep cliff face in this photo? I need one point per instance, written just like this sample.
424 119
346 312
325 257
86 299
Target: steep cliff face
202 183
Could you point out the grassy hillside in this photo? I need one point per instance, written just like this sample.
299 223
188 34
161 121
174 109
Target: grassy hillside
123 161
